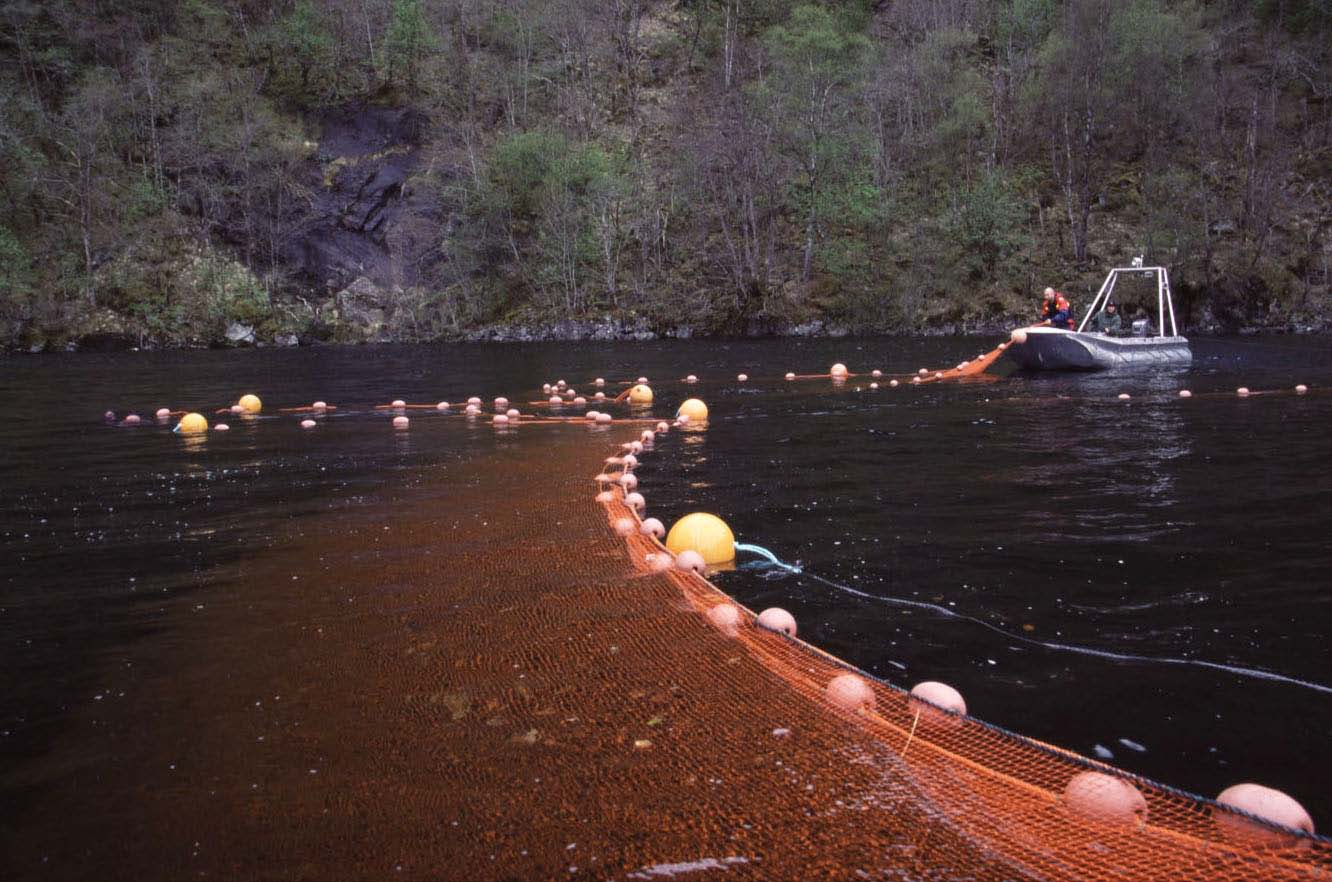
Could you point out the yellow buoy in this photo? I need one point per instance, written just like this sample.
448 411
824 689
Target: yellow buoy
251 403
704 533
696 410
641 394
192 424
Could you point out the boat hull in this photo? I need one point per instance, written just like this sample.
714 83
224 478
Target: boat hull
1049 349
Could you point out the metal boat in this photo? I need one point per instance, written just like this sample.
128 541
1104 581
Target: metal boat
1060 349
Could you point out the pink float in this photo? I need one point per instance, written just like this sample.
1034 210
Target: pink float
1266 803
690 560
1105 799
725 617
652 527
850 693
775 618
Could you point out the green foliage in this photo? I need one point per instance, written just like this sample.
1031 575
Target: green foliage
408 41
300 39
986 222
15 266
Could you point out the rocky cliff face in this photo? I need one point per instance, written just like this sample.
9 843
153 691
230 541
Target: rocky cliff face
355 243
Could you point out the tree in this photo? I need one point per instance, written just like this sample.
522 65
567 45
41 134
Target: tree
408 41
817 62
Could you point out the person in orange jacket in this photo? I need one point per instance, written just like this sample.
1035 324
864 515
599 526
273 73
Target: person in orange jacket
1055 311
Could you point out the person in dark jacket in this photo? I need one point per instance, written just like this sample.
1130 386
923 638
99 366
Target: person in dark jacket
1055 311
1108 320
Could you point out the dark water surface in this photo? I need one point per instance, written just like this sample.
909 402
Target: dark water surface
1063 558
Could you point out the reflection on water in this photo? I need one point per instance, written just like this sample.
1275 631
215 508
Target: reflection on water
1039 506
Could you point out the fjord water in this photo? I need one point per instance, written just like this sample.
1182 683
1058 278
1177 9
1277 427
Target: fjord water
1145 581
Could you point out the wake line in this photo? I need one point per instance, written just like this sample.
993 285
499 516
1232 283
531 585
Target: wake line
1081 650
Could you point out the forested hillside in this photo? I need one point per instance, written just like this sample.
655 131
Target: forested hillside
188 172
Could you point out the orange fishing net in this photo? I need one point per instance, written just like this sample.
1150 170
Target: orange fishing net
480 680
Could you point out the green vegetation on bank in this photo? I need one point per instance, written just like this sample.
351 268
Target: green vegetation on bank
170 174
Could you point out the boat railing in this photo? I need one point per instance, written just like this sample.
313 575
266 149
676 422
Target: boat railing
1165 305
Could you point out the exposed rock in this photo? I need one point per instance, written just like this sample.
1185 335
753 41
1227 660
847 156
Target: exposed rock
286 340
238 334
602 329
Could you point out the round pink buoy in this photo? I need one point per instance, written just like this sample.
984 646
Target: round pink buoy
109 416
560 384
774 618
131 420
742 377
1301 389
500 419
591 415
1242 391
443 405
605 497
874 385
604 418
635 447
320 405
308 424
725 617
580 400
555 400
924 372
600 381
850 693
401 422
635 501
472 410
600 396
876 373
546 389
642 381
915 380
659 561
662 428
474 400
653 527
501 403
938 375
1124 396
221 427
398 402
691 379
629 460
628 481
937 702
648 436
512 413
790 376
624 526
1105 799
236 408
1266 803
163 413
690 560
1185 393
838 370
893 383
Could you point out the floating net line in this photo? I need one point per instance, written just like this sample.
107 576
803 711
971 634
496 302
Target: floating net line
1004 792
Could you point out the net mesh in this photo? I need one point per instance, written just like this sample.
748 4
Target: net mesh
483 681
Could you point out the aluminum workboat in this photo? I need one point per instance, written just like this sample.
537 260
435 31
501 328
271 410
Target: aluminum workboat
1060 349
